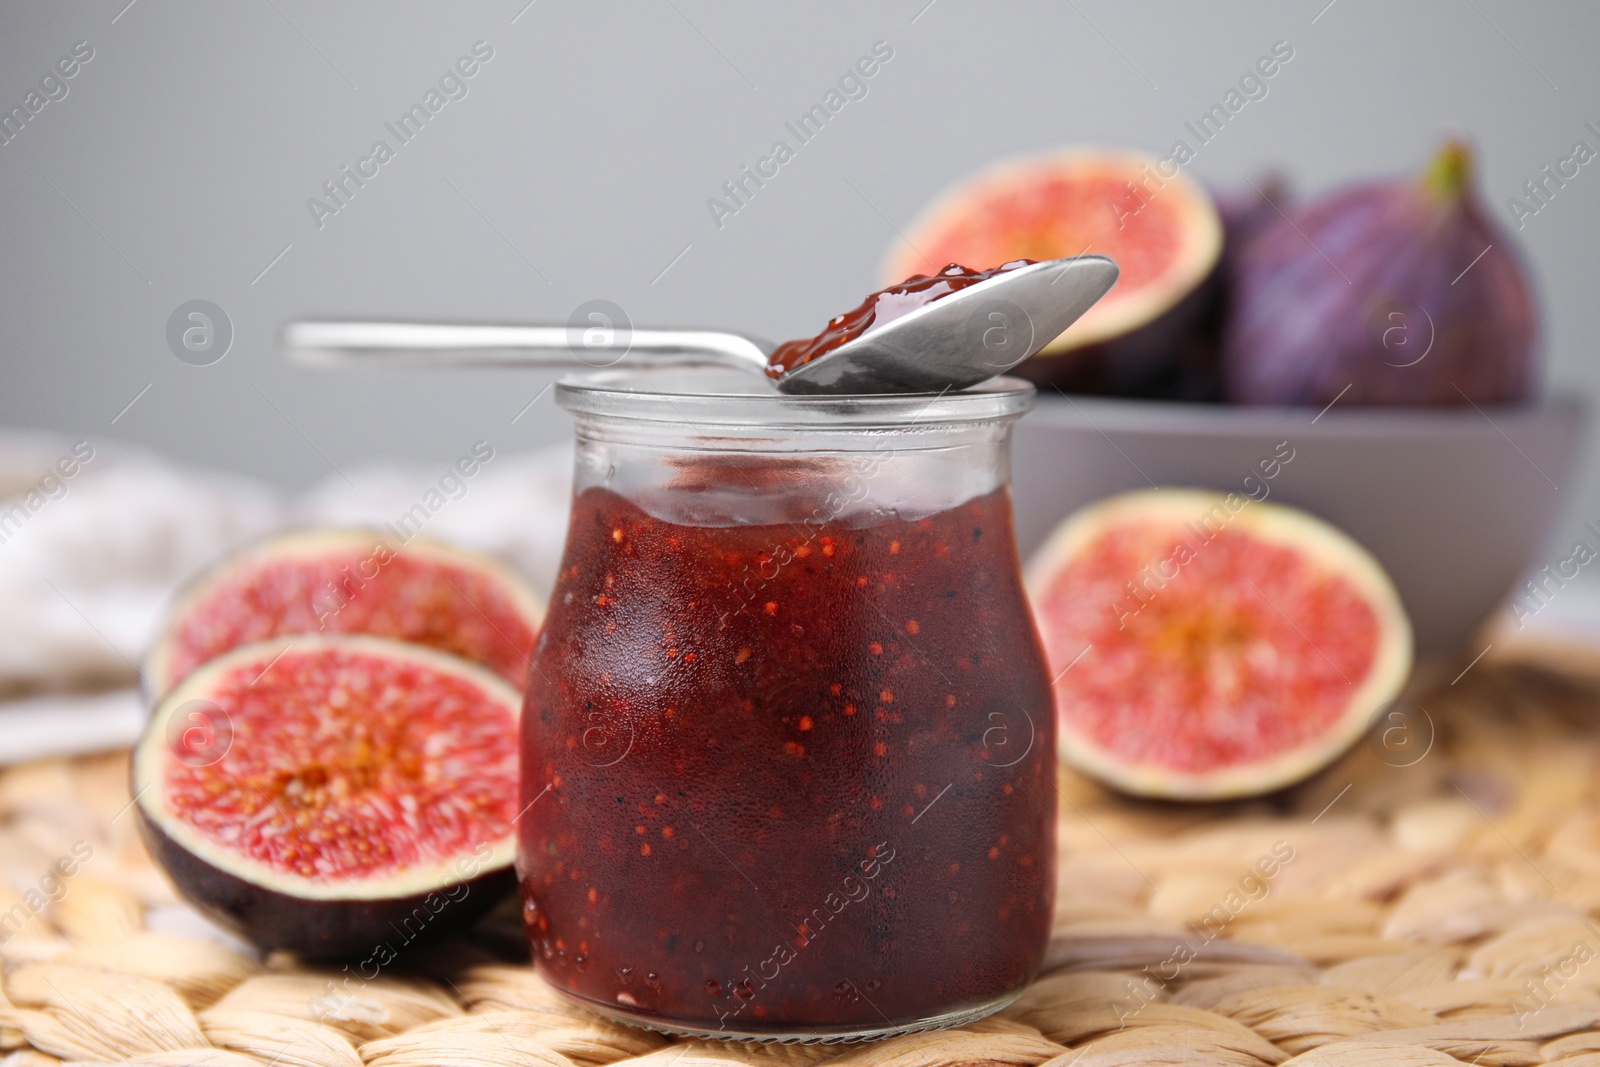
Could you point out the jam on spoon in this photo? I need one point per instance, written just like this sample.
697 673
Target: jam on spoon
881 307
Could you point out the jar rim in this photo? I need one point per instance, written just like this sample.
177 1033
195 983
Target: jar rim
720 397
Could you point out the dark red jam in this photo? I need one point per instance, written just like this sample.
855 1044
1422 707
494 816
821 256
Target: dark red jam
788 779
885 305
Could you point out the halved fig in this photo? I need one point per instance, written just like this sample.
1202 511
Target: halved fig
1158 224
333 795
352 581
1206 645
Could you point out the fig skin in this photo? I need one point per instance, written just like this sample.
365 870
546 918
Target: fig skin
1246 212
1149 360
1372 292
378 929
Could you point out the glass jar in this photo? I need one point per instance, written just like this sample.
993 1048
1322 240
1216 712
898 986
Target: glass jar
788 748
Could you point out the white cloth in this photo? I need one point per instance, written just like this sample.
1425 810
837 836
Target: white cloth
86 574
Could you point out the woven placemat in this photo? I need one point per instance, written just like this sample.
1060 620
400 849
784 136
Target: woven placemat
1432 899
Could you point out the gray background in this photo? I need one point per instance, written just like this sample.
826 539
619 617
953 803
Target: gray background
579 165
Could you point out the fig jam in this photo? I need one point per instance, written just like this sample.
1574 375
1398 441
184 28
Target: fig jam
789 778
881 307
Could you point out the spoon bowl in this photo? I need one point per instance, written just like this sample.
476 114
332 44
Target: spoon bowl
965 337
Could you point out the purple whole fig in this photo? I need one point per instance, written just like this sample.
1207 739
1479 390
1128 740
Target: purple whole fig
1388 292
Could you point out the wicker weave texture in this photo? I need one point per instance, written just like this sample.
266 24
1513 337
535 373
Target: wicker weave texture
1435 899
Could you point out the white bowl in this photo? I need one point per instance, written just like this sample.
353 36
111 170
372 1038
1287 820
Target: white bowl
1456 503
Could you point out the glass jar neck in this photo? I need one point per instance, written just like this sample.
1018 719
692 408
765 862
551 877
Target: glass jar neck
852 478
753 456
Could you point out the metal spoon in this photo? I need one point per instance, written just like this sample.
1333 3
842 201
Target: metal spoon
956 341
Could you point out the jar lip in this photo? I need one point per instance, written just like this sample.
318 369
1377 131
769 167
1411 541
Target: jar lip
720 397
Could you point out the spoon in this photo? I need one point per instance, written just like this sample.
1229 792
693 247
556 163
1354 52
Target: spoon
952 342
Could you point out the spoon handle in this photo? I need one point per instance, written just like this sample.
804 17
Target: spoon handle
431 344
